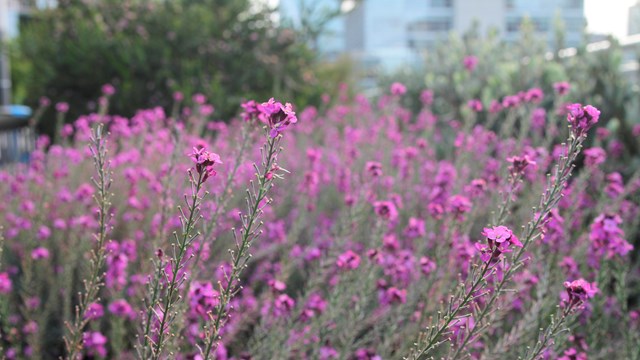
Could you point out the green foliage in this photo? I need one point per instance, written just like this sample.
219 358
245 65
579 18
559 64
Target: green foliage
229 50
505 69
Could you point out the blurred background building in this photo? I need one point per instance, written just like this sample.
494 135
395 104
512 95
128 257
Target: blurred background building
634 19
393 33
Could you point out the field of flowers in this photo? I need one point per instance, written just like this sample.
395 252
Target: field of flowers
356 230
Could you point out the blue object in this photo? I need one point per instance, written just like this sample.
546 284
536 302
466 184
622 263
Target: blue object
19 111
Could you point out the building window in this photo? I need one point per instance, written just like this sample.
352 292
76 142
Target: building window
438 25
442 3
575 4
513 25
541 25
510 4
431 25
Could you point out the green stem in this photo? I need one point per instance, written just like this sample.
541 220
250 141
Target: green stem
248 234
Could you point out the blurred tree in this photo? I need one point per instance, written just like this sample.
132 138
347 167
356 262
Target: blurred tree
229 50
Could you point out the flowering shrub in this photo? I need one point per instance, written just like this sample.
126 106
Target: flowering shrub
394 236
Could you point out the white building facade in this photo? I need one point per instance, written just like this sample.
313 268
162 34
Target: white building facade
391 33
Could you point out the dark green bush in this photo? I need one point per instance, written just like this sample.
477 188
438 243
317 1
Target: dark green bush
228 50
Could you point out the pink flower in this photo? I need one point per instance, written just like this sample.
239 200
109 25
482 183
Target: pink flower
122 309
205 161
415 228
203 298
374 168
386 210
283 305
579 291
5 283
582 118
470 63
199 99
62 107
348 260
276 115
562 88
534 95
475 105
95 343
44 101
94 311
108 90
394 295
426 97
427 266
519 164
398 89
607 237
499 241
594 156
39 253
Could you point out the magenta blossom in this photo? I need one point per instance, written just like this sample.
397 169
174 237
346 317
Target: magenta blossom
277 116
348 260
398 89
470 63
475 105
386 210
40 253
62 107
579 291
205 161
94 311
499 241
108 90
95 343
607 238
562 88
519 164
5 283
582 118
374 168
426 97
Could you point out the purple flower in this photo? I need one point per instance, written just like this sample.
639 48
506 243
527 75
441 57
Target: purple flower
594 156
205 161
386 210
426 97
519 164
277 116
348 260
5 283
415 228
534 95
579 291
398 89
199 99
108 90
203 299
499 241
95 343
94 311
607 237
470 63
40 253
122 309
562 88
283 305
475 105
427 266
62 107
582 118
374 168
